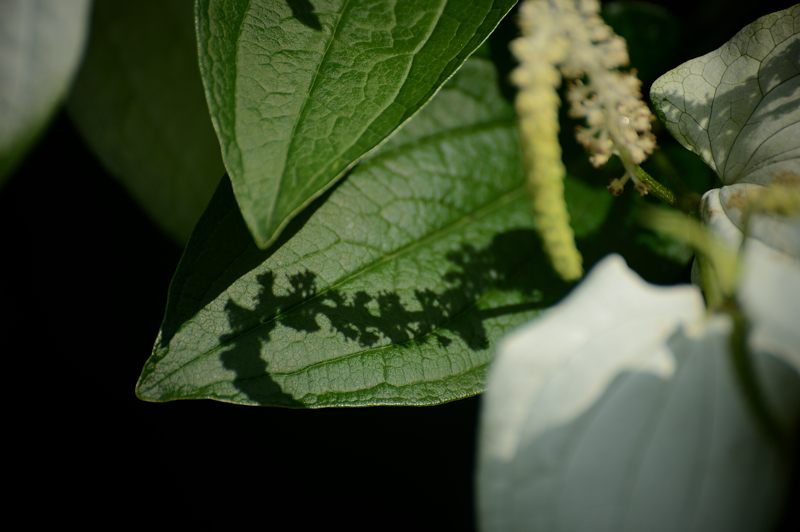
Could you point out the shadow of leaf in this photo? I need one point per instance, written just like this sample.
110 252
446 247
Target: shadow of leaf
303 11
433 314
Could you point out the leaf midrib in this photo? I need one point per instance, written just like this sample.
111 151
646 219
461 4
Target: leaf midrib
483 211
395 151
337 158
301 116
745 172
234 141
723 171
480 212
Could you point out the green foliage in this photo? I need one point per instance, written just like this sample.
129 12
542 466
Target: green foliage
139 103
393 288
299 92
372 242
652 34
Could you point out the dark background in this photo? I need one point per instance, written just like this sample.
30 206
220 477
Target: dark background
83 285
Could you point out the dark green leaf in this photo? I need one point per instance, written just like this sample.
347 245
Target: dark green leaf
390 290
138 101
651 32
300 90
40 46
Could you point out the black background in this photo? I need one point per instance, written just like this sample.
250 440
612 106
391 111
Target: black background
84 280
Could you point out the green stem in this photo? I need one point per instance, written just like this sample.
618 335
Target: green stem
747 379
719 267
709 282
658 190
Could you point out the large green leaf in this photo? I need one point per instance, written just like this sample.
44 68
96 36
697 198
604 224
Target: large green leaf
138 101
300 90
620 410
40 46
389 290
738 107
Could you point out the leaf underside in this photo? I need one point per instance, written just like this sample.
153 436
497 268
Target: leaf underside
738 106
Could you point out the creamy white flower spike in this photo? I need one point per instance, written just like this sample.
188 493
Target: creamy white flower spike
568 38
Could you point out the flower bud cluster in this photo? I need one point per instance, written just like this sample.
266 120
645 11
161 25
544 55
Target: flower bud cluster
617 121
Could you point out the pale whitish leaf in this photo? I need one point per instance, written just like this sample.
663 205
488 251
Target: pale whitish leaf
769 294
738 107
769 291
40 47
620 410
724 211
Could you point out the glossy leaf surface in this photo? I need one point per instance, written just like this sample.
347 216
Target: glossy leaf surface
300 90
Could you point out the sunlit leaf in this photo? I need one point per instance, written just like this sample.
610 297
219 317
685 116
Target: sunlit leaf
390 291
300 90
738 107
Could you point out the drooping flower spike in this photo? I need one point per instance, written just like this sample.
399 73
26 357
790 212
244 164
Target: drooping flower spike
568 38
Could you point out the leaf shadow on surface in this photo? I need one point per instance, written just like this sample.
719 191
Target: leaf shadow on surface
303 11
728 98
383 317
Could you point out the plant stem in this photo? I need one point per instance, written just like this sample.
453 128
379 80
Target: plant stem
658 190
719 263
747 377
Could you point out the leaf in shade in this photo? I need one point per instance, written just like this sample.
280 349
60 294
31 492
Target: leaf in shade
620 410
40 47
389 290
651 32
300 90
138 101
738 107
